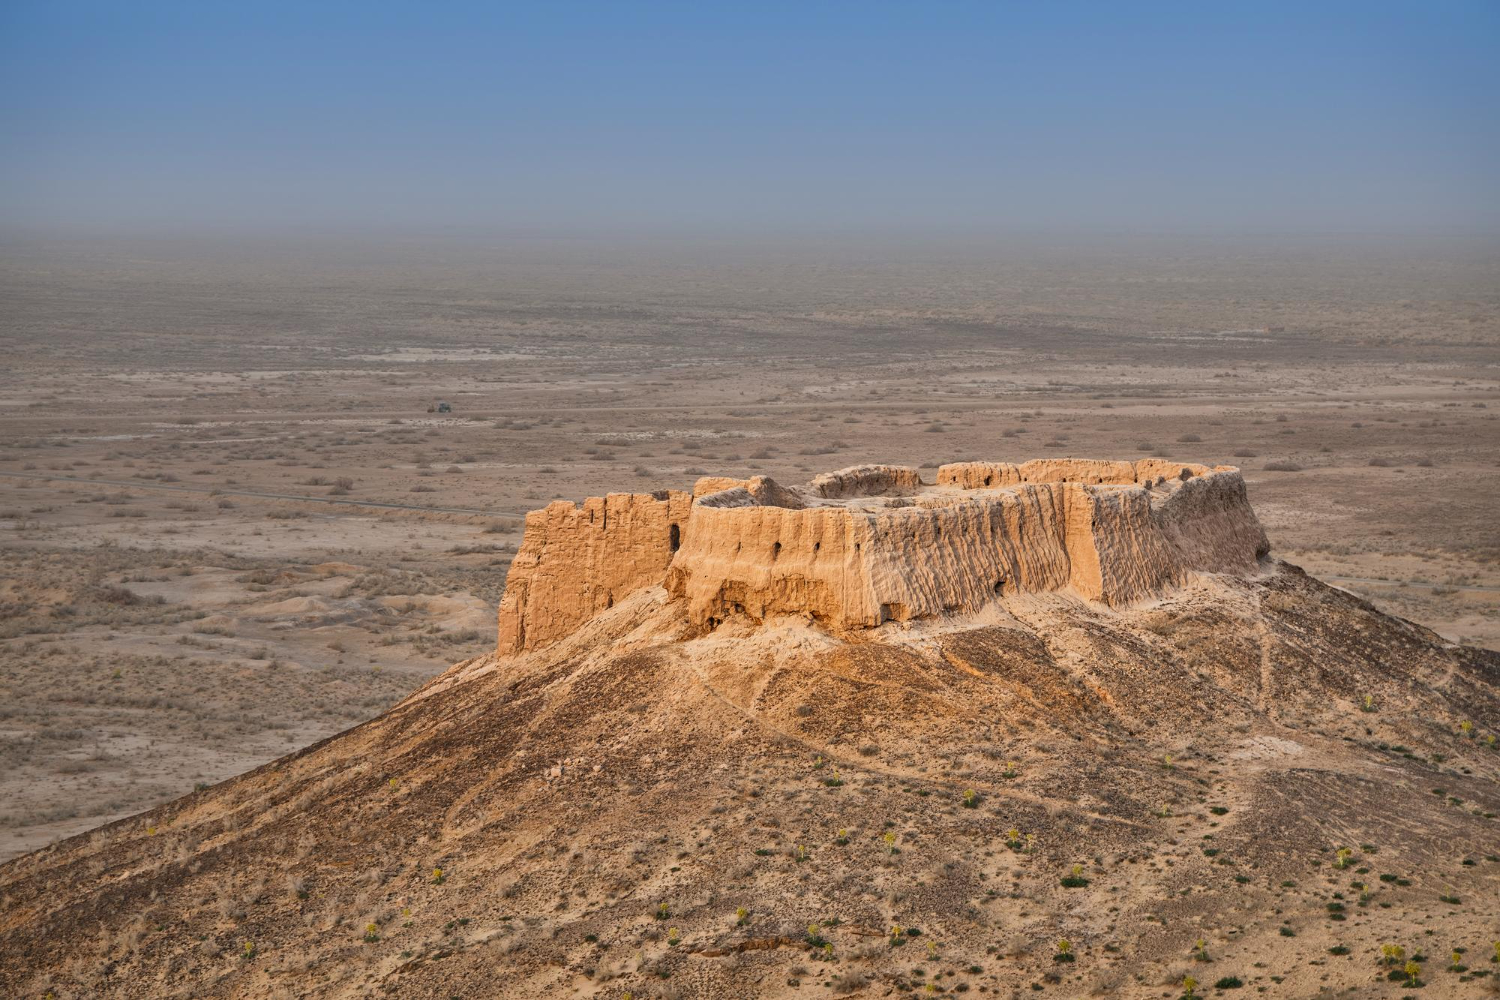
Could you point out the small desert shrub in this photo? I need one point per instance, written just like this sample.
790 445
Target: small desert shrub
1075 879
851 982
122 596
1282 466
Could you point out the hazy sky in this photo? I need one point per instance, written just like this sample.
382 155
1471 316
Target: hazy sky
557 116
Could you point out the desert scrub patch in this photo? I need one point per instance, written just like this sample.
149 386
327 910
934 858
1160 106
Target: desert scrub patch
1074 879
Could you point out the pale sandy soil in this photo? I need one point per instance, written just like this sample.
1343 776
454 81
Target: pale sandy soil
155 639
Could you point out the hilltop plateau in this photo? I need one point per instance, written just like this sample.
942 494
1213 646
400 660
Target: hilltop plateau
1054 728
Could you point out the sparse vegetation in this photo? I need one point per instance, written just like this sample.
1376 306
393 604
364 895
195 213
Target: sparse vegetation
218 623
1074 879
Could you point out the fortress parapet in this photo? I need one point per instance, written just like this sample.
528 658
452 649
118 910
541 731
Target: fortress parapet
865 545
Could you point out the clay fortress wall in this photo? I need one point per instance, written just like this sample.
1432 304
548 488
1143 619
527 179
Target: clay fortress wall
865 545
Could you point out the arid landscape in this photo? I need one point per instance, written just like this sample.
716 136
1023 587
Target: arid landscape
259 493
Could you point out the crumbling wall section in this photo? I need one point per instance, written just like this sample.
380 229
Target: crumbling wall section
578 560
865 481
872 544
989 475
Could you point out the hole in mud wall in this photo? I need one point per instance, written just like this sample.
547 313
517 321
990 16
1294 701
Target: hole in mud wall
674 537
988 480
1000 585
817 546
776 550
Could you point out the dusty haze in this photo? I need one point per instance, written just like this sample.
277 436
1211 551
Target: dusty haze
182 602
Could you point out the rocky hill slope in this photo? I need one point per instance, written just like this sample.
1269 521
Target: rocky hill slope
868 736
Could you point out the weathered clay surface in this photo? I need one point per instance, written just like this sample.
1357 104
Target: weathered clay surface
865 481
870 544
576 561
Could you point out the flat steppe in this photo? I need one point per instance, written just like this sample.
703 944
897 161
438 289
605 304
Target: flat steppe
233 523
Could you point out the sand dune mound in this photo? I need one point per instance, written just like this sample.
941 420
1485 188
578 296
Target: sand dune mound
700 765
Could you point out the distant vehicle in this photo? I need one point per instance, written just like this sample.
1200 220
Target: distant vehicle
441 408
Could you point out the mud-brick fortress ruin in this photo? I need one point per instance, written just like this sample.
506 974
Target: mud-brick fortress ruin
862 546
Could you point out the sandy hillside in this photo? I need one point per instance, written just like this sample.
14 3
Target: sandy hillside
1246 777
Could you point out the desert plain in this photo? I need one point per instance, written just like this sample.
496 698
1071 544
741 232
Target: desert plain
237 517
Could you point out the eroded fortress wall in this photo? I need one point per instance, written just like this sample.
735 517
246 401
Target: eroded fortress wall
577 560
871 544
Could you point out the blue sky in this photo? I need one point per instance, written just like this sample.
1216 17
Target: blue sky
575 117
